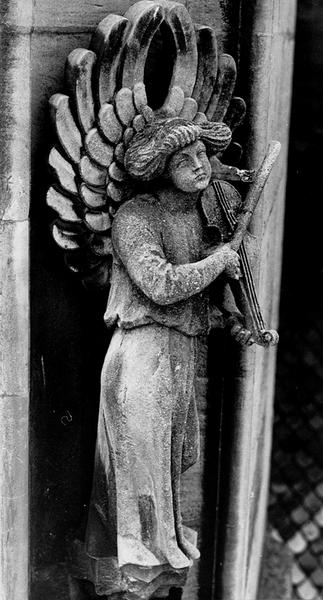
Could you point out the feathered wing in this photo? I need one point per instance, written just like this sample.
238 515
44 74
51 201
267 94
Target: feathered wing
105 104
87 163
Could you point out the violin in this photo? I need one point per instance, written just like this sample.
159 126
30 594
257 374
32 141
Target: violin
243 289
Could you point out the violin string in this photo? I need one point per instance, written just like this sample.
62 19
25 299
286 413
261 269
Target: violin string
252 287
247 275
244 259
249 288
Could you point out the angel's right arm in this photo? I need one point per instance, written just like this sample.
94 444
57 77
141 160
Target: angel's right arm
138 244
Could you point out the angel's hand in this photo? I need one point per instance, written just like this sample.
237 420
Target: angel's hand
229 173
240 334
245 175
232 268
232 260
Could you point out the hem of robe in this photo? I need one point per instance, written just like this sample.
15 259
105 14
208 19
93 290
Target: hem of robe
136 581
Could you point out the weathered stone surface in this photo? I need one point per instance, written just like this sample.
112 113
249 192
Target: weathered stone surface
14 297
62 171
14 309
14 497
67 131
14 406
267 93
63 206
74 16
109 124
49 53
192 485
79 70
85 15
14 126
17 14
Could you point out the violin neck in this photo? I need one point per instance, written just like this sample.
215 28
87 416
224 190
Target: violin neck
244 290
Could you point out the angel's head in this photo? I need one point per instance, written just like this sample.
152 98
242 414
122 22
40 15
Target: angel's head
176 149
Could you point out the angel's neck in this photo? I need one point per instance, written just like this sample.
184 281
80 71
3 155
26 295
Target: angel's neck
175 200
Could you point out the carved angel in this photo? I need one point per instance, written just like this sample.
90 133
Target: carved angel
135 192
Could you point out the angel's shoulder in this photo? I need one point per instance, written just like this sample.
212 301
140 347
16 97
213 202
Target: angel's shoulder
142 208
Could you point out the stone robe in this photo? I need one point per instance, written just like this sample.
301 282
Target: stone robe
159 304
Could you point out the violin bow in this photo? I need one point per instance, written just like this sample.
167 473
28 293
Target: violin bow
244 290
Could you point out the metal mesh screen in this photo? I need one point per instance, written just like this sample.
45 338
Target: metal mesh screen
296 493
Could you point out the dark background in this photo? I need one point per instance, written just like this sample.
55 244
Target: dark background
301 298
297 468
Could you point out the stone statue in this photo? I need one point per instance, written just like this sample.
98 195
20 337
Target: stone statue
143 207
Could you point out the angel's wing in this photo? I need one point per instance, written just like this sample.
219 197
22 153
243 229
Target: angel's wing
87 161
106 103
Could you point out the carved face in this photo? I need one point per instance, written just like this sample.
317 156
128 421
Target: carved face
189 169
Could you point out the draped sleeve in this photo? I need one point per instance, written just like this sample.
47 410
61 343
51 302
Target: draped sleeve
137 242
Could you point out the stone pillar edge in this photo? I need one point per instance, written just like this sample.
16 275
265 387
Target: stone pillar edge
262 27
15 35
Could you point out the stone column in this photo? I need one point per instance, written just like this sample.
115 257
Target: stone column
16 21
266 60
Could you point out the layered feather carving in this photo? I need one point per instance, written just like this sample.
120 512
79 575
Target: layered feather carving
106 103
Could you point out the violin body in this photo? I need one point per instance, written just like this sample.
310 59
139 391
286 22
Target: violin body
221 204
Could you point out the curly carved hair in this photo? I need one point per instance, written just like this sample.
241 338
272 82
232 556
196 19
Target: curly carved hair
150 149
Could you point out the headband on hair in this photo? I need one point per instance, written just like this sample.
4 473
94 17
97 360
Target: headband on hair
150 149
